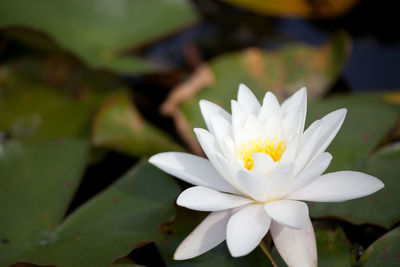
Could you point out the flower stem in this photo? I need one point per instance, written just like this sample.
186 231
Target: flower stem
266 251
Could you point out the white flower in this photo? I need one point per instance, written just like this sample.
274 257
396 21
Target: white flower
261 166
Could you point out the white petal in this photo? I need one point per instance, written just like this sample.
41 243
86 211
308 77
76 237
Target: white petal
208 108
246 228
317 167
273 127
291 122
251 129
254 185
339 186
207 142
206 199
330 125
247 99
192 169
297 99
222 130
308 133
239 114
269 107
279 178
261 187
263 163
296 247
294 111
290 213
210 147
207 235
291 149
306 153
231 171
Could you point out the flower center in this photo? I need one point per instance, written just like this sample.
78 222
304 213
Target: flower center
271 147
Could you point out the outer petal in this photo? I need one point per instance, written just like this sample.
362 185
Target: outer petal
330 125
294 111
222 131
338 186
206 199
208 108
296 247
246 228
247 99
207 235
306 153
210 147
192 169
317 167
290 213
207 142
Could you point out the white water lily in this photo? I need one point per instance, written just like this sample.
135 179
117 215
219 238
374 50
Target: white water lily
261 166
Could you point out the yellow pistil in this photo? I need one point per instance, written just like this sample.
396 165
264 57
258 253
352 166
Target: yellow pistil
270 146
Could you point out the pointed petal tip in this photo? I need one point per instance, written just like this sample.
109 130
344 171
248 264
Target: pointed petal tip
237 253
202 102
341 112
179 256
242 86
155 159
198 130
302 90
379 184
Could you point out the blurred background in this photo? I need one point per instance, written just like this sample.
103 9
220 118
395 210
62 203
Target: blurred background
89 89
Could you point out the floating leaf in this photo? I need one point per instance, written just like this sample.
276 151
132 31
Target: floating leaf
368 123
282 71
333 248
185 222
298 8
49 98
37 183
118 125
384 252
99 31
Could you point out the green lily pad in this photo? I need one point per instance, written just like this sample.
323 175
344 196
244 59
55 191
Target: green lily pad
333 248
101 32
37 184
384 252
118 125
282 71
185 222
368 123
49 98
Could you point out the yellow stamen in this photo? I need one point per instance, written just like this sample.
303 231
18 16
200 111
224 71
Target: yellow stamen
270 147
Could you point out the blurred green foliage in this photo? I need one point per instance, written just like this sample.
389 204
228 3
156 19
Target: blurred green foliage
118 125
101 32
